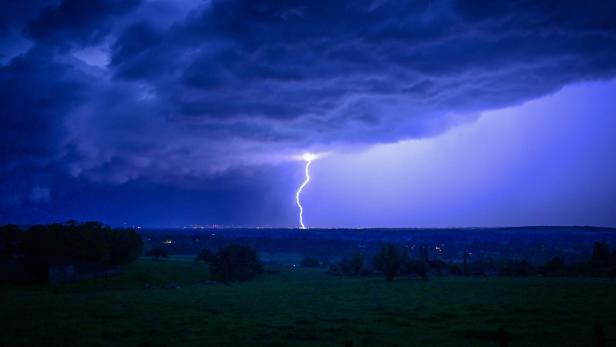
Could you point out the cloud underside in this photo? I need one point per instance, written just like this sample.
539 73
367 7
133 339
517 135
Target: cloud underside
232 84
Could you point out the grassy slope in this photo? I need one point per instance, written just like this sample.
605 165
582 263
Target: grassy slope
306 307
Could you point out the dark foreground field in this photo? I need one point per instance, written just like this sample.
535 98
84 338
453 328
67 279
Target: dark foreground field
305 308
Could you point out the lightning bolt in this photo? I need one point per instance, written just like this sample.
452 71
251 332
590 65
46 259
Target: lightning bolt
308 157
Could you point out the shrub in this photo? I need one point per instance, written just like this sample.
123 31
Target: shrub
206 255
600 254
236 263
353 265
390 260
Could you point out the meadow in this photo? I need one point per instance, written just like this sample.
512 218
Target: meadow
171 303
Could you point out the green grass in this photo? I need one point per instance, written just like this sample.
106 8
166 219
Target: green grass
305 308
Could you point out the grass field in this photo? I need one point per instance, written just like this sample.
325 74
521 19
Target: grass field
301 307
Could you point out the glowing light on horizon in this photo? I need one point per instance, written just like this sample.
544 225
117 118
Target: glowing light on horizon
308 158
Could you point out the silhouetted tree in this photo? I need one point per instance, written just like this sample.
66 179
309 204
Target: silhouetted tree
423 253
44 246
236 262
600 254
390 260
354 265
10 253
10 242
438 265
418 267
602 262
156 253
126 246
206 255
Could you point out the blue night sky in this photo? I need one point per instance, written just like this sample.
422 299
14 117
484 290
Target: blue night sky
427 113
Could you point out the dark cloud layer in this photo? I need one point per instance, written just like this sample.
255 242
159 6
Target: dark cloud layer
171 92
77 22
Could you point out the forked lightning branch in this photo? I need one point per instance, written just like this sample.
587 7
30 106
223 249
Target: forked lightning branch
308 158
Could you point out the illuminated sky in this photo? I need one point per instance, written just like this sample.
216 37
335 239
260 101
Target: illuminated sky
434 113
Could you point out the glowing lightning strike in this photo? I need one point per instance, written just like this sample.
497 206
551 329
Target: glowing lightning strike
308 157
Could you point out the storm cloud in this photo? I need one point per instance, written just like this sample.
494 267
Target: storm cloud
167 92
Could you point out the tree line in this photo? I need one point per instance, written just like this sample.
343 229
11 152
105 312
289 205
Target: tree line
394 260
32 251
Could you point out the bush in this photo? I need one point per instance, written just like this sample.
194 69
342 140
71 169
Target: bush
390 260
156 253
236 263
600 254
353 265
206 255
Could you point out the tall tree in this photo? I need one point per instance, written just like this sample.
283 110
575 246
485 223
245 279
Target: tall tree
390 260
